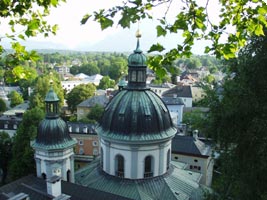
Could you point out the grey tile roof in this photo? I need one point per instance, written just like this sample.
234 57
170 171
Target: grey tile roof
190 146
36 189
80 127
176 184
172 101
178 91
101 99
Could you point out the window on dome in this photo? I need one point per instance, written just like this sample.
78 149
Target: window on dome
140 76
148 167
119 163
133 76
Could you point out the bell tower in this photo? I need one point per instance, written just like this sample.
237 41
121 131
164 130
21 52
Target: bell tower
53 145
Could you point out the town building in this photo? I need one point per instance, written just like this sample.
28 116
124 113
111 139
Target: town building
84 107
196 154
10 119
160 89
180 91
87 147
175 106
70 84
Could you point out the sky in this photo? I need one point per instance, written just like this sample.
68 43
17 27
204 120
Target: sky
89 37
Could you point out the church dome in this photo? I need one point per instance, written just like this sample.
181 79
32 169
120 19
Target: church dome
136 113
52 130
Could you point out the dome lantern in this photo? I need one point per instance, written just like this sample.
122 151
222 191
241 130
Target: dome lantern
137 67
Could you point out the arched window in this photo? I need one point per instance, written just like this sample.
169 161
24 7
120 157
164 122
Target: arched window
119 166
44 176
102 158
168 159
148 167
68 175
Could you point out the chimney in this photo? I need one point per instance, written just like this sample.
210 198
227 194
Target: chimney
195 134
54 186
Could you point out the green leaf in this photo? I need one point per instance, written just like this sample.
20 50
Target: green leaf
156 47
85 18
259 30
54 3
160 31
54 29
262 10
21 36
105 23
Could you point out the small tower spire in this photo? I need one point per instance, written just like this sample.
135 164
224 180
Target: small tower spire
137 67
138 35
51 101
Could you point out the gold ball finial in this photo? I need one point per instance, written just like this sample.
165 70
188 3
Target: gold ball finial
138 33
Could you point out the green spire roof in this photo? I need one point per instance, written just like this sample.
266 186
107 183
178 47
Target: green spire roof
51 96
52 131
137 59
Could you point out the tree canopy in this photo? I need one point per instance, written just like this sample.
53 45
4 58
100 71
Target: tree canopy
22 162
238 123
238 21
5 154
95 113
41 87
2 105
15 99
25 19
106 83
79 94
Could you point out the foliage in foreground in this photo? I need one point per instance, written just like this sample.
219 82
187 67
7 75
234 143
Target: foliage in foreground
239 125
22 162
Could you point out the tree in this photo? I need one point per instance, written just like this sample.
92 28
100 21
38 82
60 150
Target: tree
2 105
26 18
22 162
196 120
41 86
193 21
238 123
79 94
15 99
106 83
95 113
5 154
192 63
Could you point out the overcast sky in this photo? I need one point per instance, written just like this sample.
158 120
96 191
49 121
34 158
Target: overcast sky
73 35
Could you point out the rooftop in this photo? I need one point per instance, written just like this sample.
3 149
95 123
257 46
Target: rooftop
190 146
176 184
37 190
178 91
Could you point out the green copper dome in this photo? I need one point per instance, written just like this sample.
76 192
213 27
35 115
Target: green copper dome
137 59
52 131
51 96
136 113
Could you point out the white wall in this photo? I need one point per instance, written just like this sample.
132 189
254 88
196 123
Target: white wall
206 165
134 157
